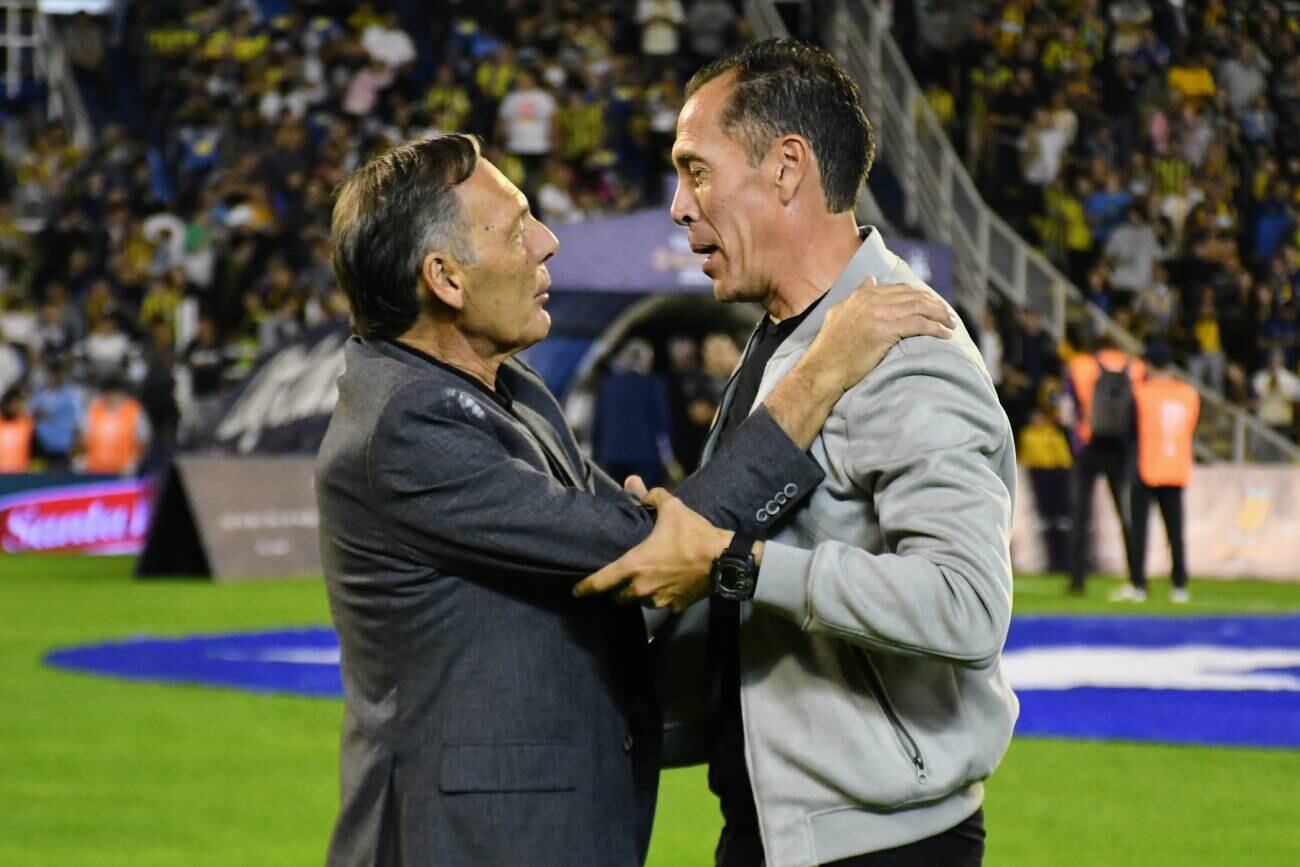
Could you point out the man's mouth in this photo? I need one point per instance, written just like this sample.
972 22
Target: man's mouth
707 250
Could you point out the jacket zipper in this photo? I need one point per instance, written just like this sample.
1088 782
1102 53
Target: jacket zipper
878 689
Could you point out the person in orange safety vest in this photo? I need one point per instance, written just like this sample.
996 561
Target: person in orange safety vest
1167 410
1101 384
16 428
117 432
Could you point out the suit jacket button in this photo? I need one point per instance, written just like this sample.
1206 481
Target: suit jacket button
627 742
761 515
791 489
781 498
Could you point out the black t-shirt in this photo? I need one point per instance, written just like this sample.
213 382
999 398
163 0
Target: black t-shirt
728 776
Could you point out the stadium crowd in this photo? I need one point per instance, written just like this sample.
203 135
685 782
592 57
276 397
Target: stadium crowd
192 236
1152 149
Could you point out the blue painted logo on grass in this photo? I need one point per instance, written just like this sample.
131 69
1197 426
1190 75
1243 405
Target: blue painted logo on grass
1204 680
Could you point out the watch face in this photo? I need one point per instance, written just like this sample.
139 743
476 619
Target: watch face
735 579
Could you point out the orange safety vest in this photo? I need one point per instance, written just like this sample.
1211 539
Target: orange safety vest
1084 373
112 444
1166 419
16 444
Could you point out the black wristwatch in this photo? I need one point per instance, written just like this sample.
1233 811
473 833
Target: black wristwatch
734 575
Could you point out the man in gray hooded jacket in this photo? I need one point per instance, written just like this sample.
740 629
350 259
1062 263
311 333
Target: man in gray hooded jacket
855 695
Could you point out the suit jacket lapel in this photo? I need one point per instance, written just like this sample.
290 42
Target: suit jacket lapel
544 436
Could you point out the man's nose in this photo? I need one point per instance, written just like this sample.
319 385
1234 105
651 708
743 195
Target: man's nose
547 244
683 208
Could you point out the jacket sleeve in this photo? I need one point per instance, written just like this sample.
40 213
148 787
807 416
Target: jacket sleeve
452 493
931 449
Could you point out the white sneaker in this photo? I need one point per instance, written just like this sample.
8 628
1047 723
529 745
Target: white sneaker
1180 596
1128 593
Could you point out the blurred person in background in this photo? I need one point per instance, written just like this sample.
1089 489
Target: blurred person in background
1167 412
15 432
1208 363
58 408
117 432
107 350
1044 451
207 361
661 23
1276 392
13 363
1101 385
526 123
632 429
686 391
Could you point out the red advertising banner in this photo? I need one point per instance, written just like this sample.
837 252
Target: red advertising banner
93 518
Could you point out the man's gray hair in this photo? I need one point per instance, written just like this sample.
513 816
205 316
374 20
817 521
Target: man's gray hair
388 216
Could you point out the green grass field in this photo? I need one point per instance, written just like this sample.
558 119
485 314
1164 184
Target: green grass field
96 772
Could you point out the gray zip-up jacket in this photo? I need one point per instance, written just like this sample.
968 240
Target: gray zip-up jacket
873 699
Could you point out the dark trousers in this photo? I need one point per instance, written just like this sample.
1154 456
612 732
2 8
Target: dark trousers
1094 459
1052 501
961 846
1170 500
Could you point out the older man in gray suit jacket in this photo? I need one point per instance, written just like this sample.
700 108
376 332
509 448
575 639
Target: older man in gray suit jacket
857 700
491 718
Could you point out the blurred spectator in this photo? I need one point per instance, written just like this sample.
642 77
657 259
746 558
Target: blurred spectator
207 363
1277 390
59 411
690 400
553 196
1044 452
526 119
15 432
117 431
632 431
660 22
1209 362
1132 251
13 363
1167 411
1244 76
106 350
710 27
1101 385
1158 304
386 42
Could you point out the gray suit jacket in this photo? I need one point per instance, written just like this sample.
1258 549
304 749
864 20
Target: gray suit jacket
491 718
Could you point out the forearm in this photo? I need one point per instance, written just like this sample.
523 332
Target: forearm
802 401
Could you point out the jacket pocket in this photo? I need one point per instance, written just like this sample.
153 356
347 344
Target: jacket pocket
911 749
507 766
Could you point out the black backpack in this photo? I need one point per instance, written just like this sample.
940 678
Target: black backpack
1112 406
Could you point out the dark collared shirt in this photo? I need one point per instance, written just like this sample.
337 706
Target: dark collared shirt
728 776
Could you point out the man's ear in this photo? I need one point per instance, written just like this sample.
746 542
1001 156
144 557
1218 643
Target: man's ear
792 164
442 276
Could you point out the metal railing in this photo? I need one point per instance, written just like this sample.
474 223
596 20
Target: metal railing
941 198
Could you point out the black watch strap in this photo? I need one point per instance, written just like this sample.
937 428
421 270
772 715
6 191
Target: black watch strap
741 545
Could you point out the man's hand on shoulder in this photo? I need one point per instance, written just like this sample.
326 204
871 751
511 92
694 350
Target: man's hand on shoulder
670 569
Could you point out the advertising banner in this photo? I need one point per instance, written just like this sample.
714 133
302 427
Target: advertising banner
236 518
1239 522
90 518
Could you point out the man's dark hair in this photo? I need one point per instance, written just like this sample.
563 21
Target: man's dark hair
785 86
387 217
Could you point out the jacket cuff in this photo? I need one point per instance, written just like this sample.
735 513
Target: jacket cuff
793 472
783 581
